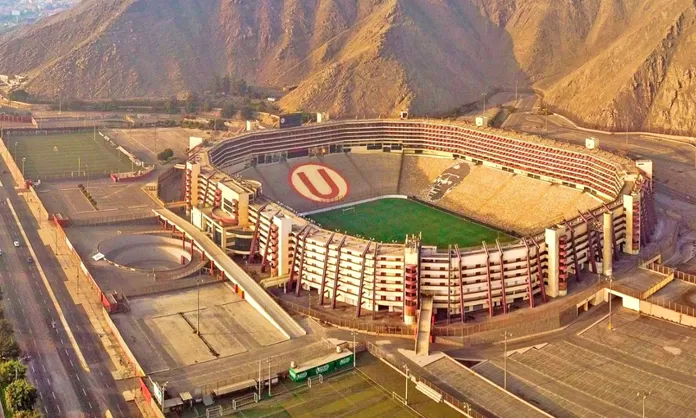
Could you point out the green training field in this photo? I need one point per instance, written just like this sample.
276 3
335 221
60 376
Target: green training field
388 220
362 393
64 156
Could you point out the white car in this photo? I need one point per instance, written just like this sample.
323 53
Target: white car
16 243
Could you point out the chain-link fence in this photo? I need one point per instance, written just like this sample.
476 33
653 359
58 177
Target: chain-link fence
367 326
466 407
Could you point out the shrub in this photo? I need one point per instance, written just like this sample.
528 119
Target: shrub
20 395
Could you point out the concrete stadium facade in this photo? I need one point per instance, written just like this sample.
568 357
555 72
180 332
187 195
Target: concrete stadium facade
375 276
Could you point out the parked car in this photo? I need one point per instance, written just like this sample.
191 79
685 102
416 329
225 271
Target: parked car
16 243
30 260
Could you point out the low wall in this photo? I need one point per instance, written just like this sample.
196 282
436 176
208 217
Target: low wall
133 176
10 162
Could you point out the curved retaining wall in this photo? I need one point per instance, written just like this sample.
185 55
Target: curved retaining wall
131 251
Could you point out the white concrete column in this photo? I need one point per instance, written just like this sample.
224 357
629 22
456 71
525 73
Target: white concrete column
628 210
195 169
284 227
607 256
551 240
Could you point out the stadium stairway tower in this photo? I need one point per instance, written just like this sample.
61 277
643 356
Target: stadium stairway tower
425 322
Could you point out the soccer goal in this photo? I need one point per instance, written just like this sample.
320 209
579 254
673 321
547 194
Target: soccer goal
315 379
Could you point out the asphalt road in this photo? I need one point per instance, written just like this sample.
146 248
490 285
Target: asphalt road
66 389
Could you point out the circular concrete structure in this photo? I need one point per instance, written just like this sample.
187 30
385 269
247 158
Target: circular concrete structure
145 252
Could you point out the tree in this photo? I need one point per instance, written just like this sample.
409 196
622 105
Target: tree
165 155
20 395
239 87
191 103
8 346
171 106
215 86
246 113
10 371
228 110
27 414
19 95
226 85
207 105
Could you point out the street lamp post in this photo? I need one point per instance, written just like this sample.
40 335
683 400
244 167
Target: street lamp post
484 103
164 388
643 395
354 346
23 160
198 309
506 335
269 376
260 381
610 279
406 388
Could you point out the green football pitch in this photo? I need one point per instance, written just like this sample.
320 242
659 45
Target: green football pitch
65 156
389 220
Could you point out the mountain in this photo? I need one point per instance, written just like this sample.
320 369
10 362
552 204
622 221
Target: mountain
608 63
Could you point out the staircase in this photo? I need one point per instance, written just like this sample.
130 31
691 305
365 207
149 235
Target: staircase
425 321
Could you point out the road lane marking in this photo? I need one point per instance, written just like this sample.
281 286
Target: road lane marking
49 289
83 391
59 411
54 395
32 369
90 405
78 377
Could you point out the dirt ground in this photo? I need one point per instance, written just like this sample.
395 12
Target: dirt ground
145 143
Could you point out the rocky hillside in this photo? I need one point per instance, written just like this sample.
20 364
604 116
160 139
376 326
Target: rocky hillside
611 63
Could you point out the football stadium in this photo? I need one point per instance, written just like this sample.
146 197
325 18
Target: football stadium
386 215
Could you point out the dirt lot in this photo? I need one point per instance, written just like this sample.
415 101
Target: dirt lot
147 142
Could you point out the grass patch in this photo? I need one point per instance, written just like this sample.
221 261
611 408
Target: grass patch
348 394
65 156
388 220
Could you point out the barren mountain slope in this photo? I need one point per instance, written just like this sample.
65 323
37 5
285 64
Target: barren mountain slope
607 63
612 63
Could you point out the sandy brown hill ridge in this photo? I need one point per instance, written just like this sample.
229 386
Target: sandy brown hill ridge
605 62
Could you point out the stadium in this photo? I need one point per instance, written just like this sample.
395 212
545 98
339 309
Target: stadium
388 215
